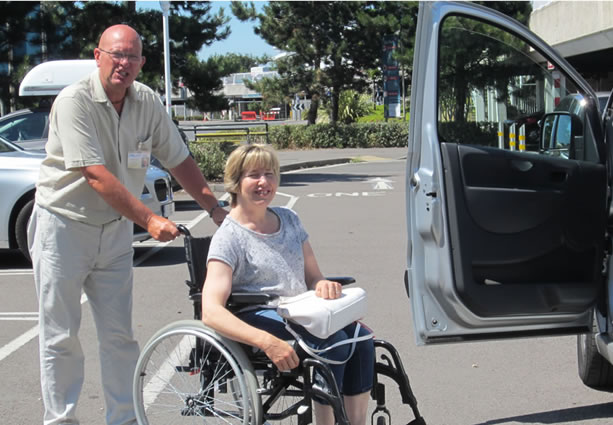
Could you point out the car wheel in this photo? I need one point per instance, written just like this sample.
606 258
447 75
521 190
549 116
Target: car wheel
21 228
594 370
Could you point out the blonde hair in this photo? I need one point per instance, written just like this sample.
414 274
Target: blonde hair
247 157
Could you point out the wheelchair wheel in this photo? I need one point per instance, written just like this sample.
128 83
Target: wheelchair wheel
188 374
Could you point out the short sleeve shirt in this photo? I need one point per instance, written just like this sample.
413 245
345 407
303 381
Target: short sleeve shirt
85 129
269 263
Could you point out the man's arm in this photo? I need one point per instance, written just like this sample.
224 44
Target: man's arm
191 179
118 197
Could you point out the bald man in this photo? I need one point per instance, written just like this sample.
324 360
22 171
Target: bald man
102 132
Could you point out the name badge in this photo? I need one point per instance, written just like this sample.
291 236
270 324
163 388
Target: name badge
140 158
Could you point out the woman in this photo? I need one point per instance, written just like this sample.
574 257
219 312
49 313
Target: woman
259 248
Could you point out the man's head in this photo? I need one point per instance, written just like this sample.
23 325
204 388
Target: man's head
119 57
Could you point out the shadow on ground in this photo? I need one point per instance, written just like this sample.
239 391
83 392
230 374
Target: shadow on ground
13 259
573 414
167 256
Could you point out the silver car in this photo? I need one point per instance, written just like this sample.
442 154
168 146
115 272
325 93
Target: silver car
18 174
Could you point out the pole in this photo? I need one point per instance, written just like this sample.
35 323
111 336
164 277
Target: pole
165 10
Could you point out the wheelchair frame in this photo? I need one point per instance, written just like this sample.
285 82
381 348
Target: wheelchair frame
255 401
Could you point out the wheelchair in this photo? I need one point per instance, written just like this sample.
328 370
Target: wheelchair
188 373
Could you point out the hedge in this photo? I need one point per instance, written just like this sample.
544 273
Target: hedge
356 135
211 156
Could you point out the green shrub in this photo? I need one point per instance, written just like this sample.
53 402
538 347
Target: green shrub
211 158
356 135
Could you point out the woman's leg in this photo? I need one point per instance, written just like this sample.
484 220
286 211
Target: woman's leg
324 415
356 407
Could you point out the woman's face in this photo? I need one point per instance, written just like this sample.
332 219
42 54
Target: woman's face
258 185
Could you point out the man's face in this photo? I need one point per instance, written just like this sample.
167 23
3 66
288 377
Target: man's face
119 61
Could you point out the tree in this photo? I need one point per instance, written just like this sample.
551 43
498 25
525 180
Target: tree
477 55
331 45
67 30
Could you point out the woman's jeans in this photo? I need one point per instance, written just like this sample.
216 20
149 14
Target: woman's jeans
353 377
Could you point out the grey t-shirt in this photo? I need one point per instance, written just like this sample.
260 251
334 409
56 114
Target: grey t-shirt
269 263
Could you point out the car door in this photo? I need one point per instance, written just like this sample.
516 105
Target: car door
505 235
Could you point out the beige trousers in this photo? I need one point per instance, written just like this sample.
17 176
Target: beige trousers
69 258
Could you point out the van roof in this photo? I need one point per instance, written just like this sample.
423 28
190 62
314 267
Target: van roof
49 78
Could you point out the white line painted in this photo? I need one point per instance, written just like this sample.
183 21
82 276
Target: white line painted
16 272
165 373
18 342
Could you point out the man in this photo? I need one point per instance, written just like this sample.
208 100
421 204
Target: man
103 130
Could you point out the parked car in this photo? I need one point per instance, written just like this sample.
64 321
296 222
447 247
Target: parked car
25 124
18 174
506 243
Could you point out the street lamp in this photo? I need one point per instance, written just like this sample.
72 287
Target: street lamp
165 11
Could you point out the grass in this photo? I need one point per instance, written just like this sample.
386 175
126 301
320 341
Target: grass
378 116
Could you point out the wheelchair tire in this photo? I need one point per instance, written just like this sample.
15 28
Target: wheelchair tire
187 373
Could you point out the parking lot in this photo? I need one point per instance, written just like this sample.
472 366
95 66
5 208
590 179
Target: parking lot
354 214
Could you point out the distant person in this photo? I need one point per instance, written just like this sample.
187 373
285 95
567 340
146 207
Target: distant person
103 130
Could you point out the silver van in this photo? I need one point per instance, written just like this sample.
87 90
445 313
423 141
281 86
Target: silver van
506 237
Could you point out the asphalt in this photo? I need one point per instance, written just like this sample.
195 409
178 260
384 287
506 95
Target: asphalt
297 159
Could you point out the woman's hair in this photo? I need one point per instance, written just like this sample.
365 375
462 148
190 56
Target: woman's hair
248 157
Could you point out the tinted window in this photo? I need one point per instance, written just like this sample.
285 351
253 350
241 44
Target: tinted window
493 89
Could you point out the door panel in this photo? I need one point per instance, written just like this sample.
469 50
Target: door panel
506 232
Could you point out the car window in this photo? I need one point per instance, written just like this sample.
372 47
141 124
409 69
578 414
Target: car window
494 90
5 148
27 126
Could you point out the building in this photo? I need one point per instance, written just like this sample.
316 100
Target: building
582 31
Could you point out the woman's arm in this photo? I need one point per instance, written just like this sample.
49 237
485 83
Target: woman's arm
215 293
313 277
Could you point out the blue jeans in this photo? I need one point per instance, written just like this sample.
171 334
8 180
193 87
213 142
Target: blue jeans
353 377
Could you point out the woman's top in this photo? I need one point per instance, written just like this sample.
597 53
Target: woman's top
270 263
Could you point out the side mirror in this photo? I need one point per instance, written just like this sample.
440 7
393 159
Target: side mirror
561 133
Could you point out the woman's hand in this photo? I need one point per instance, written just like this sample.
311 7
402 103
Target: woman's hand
281 353
328 289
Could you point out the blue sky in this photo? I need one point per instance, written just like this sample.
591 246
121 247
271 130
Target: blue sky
242 39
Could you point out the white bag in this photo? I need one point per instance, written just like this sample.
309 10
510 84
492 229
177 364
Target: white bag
322 317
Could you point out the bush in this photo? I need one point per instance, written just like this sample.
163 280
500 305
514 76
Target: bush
356 135
211 158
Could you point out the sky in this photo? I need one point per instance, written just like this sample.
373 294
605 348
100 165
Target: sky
242 40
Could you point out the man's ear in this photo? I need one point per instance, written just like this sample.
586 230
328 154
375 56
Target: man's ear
97 56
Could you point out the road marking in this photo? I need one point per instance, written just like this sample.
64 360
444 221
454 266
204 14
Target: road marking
19 316
345 194
381 183
167 370
16 272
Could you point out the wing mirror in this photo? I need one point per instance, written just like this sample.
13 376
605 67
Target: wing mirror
561 133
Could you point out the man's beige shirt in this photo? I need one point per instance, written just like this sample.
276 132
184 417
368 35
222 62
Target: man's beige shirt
85 129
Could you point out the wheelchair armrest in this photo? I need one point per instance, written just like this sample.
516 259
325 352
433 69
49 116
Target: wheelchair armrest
343 280
249 298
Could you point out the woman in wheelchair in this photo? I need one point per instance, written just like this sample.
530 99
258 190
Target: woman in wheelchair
259 248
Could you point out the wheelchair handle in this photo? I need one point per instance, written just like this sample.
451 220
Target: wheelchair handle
183 230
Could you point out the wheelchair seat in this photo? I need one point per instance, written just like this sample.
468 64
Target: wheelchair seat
188 371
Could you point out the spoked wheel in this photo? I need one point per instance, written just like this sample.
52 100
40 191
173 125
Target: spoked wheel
188 374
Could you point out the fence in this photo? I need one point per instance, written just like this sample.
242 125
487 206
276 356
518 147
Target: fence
235 133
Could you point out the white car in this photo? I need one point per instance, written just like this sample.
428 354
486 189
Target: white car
18 174
506 239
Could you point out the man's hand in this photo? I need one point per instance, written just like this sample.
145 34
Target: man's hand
218 215
162 229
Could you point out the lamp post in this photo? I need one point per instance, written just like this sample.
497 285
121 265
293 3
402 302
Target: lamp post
165 10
